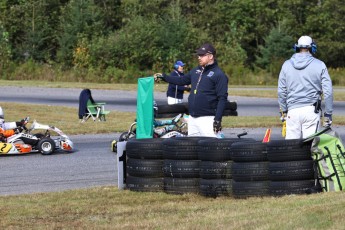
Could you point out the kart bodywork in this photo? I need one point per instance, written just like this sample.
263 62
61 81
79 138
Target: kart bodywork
47 140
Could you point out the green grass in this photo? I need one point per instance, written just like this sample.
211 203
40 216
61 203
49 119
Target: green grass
109 208
66 119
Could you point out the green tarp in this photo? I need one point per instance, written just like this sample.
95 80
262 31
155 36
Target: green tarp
145 108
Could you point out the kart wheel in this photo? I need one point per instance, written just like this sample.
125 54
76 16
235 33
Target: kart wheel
46 146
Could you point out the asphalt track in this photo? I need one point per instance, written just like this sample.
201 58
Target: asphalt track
93 164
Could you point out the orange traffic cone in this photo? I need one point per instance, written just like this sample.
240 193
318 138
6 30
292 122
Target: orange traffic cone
267 136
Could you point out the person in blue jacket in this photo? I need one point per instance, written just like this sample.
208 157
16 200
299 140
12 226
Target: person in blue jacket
208 95
175 92
303 80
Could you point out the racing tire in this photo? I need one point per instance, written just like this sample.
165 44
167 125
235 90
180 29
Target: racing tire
216 170
250 171
288 150
215 187
181 169
281 188
150 148
231 105
144 168
144 184
250 189
175 108
217 149
228 112
167 115
291 170
46 146
249 151
182 148
181 185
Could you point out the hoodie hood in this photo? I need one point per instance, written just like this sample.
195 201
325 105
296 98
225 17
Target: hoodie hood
301 60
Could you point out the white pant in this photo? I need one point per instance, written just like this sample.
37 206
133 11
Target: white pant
201 126
172 101
302 122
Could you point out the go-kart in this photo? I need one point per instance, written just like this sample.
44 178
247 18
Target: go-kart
41 141
176 127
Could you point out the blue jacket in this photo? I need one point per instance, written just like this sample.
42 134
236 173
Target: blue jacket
176 91
301 81
209 90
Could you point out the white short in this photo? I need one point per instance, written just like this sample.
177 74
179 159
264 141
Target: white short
302 122
201 126
172 101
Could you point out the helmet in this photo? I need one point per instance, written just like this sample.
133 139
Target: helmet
1 113
178 64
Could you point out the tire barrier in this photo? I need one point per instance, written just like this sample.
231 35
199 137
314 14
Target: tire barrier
250 169
213 149
216 166
168 111
181 185
143 184
216 187
216 170
181 164
249 151
145 148
144 168
291 170
181 168
291 167
244 189
182 148
288 150
220 167
144 165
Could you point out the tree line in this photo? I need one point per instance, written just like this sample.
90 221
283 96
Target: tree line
120 40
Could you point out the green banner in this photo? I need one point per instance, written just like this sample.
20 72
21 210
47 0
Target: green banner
145 108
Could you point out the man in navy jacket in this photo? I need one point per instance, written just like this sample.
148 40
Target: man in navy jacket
208 95
175 92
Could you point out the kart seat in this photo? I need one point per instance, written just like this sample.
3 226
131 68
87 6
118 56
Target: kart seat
89 108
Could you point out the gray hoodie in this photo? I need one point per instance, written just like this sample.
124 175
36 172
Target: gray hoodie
302 80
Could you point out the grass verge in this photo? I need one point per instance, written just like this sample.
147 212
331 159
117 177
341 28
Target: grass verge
66 119
109 208
260 91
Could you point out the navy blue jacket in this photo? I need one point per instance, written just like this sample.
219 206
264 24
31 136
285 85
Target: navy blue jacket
208 95
176 91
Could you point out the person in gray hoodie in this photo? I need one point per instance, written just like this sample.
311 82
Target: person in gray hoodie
303 80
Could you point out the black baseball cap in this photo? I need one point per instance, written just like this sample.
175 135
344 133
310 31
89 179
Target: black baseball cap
206 48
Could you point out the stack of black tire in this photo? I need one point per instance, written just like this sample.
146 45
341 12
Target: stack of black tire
250 169
216 166
279 167
291 168
144 165
168 111
181 165
219 167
